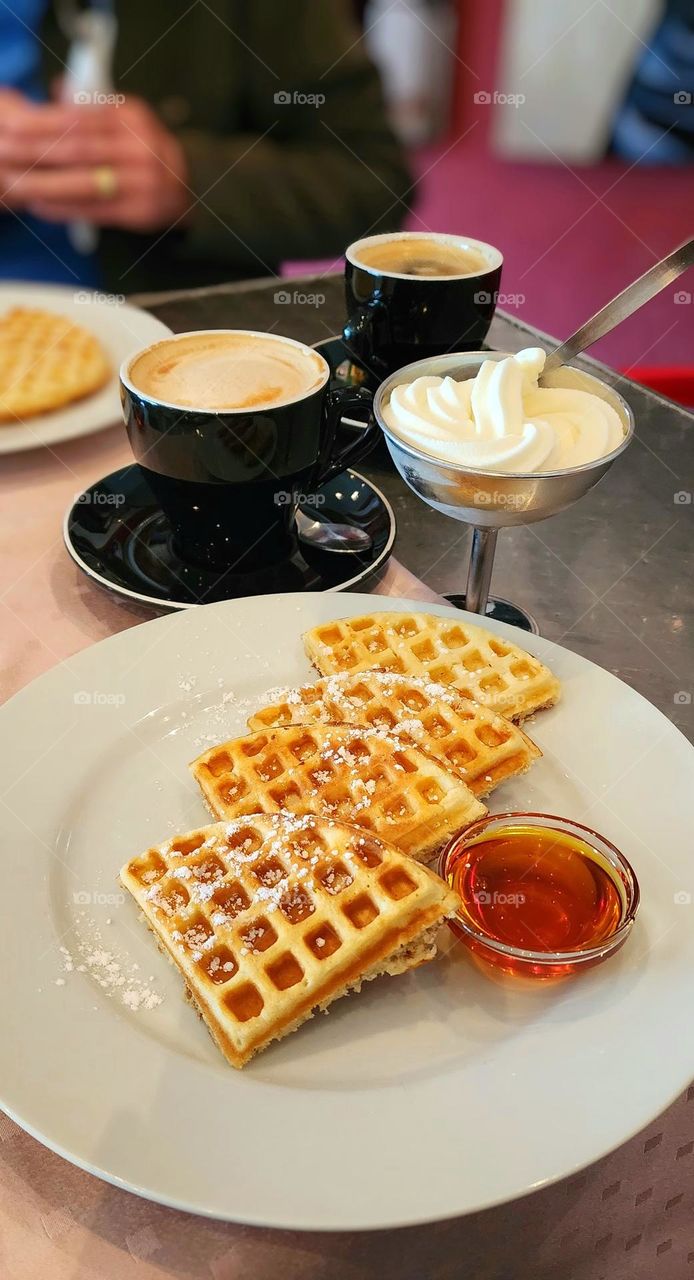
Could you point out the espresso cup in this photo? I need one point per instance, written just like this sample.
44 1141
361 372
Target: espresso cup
412 295
231 429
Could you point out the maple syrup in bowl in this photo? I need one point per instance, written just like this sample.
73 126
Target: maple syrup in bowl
541 896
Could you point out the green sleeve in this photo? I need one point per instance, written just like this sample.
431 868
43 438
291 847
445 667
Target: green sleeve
316 165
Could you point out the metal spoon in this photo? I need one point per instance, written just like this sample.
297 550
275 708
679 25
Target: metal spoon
329 536
658 277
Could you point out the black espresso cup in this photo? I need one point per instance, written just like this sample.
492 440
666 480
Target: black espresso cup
411 295
232 428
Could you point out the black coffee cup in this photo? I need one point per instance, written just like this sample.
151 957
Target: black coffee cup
230 479
398 316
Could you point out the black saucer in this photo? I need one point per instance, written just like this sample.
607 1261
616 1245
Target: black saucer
120 538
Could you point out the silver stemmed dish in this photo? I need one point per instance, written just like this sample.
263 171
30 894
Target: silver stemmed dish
493 500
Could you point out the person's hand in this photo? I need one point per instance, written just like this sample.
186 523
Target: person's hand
12 104
111 165
11 100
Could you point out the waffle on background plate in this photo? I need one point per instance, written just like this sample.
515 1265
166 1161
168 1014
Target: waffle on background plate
274 916
480 745
46 361
482 666
353 774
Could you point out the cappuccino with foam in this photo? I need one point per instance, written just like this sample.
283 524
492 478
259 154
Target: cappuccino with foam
226 371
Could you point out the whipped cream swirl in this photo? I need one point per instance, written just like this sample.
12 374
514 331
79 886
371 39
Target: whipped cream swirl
501 420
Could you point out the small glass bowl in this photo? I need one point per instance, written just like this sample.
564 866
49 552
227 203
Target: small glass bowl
458 857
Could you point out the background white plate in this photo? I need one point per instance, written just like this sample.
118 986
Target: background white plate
429 1095
120 327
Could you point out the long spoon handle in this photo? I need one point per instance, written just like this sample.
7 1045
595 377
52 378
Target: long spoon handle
658 277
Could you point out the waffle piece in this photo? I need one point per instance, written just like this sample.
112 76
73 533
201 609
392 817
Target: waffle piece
482 746
357 775
46 361
272 917
487 668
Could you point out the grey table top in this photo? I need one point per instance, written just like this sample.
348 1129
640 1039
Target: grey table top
608 578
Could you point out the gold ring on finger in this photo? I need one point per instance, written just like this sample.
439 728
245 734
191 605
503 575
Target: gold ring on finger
106 181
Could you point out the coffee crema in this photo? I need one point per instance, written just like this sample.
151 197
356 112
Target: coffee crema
421 256
222 371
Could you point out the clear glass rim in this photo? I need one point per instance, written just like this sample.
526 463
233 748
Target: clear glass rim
579 955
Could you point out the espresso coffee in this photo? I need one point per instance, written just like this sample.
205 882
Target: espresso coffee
421 256
411 296
227 371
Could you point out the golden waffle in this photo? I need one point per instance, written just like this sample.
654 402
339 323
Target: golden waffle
46 361
487 668
480 745
272 917
356 775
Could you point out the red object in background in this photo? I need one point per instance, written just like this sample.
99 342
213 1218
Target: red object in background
674 381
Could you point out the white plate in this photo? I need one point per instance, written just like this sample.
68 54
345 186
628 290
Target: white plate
428 1095
120 327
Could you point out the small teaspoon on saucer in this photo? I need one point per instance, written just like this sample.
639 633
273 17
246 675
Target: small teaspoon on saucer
328 536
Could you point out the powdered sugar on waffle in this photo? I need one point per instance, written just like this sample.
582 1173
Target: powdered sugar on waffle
338 752
272 893
334 688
